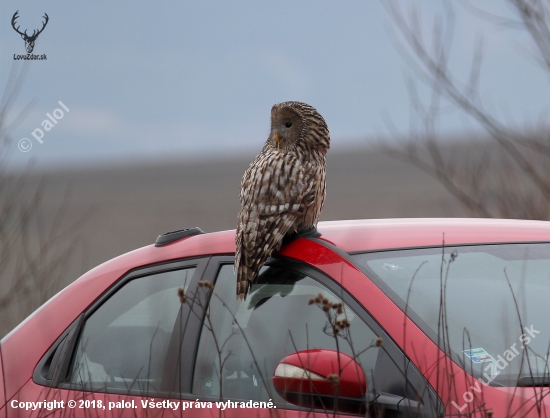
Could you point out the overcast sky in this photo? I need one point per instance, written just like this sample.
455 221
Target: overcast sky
195 79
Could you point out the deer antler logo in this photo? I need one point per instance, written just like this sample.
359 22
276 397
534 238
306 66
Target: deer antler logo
29 40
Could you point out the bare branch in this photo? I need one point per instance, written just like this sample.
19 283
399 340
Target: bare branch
509 178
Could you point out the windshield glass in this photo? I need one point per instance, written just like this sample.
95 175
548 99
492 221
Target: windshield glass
489 303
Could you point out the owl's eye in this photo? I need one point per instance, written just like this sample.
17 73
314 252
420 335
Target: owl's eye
288 124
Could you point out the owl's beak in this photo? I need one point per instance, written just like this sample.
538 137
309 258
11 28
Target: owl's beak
277 139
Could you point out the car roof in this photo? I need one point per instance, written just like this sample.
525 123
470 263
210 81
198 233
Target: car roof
379 234
348 236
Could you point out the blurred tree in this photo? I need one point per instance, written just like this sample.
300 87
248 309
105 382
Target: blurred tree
33 251
506 176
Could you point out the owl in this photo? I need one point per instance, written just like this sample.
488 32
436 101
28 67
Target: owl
283 189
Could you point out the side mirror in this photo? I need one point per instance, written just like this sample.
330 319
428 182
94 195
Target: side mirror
322 379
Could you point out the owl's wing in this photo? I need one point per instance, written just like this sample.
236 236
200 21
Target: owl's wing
274 192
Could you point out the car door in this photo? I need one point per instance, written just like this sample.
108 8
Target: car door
120 357
293 308
172 340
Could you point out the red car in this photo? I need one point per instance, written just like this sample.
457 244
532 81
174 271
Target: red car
395 318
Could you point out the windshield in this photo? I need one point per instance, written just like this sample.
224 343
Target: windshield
487 303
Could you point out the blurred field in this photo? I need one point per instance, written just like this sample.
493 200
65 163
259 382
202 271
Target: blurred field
131 205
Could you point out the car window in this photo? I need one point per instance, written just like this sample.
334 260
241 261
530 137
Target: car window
491 299
241 343
124 343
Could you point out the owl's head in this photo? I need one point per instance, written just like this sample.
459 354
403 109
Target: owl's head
298 125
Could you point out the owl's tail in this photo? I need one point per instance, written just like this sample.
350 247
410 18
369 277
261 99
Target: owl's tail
245 276
255 239
248 267
248 262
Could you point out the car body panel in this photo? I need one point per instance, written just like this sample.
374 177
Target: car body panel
23 348
424 353
133 406
45 325
2 399
381 234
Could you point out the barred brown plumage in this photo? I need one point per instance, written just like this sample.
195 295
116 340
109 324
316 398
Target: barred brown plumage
283 189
